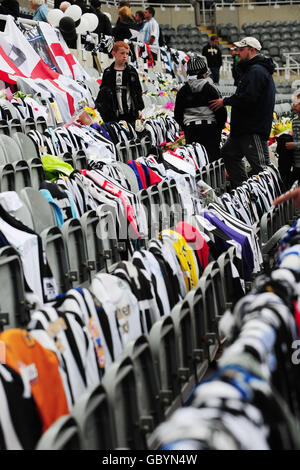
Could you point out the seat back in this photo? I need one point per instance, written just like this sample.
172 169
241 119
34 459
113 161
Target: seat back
14 125
77 256
41 211
155 208
80 160
200 351
4 129
41 124
182 317
167 217
164 350
13 312
7 176
150 410
205 285
119 382
91 413
26 146
57 257
11 149
94 245
22 175
62 435
107 232
28 125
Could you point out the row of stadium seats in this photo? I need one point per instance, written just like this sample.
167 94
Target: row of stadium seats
186 37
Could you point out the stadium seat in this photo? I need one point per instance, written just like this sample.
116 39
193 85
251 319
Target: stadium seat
31 155
120 385
183 323
150 409
77 256
91 413
14 125
57 257
62 435
13 312
40 209
13 155
164 350
7 173
95 257
107 231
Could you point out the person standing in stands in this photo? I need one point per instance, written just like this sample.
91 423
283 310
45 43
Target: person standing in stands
140 19
192 112
126 22
41 10
213 56
234 67
251 113
295 145
123 3
82 4
104 24
288 148
64 6
151 27
120 95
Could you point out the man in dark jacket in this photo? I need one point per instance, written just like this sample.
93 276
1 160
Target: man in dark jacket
8 7
251 113
120 95
104 25
213 56
82 4
192 112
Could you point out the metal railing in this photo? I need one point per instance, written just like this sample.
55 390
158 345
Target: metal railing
136 3
290 68
252 4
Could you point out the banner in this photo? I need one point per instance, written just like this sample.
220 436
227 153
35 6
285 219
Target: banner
18 59
68 64
37 40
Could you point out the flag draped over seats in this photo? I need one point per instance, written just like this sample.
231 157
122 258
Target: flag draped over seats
18 59
67 63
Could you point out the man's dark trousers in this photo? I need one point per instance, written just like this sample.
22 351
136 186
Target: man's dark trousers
251 146
215 74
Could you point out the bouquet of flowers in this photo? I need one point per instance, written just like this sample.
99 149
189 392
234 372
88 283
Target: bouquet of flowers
93 113
280 125
173 145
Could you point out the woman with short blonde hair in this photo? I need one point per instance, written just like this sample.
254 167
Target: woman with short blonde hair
125 13
125 23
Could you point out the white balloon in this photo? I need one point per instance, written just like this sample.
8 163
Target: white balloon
74 12
82 28
54 16
92 20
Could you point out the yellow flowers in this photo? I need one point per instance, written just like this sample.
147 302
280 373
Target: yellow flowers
94 114
280 125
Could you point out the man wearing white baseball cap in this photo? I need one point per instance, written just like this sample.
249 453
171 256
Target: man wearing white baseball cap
251 113
249 41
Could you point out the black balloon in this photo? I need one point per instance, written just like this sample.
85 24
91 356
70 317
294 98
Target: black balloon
67 28
67 25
